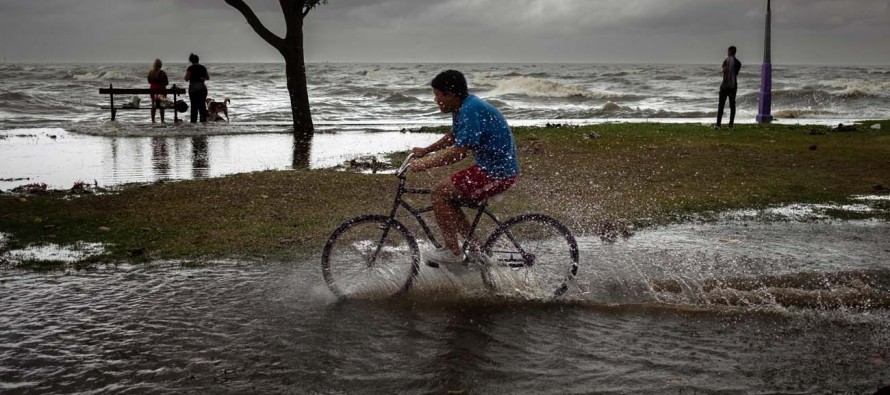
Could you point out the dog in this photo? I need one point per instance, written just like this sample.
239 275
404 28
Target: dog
214 108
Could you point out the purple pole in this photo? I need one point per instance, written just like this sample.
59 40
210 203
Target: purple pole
766 76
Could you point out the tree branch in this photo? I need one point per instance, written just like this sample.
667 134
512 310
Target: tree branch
311 4
256 24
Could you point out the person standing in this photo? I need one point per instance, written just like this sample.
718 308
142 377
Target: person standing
729 86
196 74
157 80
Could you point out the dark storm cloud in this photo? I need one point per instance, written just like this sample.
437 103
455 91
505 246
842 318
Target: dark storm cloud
806 31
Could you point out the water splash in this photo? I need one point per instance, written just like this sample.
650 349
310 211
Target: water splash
50 252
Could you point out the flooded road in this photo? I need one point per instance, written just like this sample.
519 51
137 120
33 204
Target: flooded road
680 309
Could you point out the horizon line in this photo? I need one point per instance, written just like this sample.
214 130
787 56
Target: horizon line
6 61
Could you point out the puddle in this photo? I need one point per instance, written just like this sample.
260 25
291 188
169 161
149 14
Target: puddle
59 159
805 212
790 307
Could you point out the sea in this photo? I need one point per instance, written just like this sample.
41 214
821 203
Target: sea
42 94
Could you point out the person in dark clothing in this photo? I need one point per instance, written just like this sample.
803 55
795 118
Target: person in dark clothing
196 74
729 86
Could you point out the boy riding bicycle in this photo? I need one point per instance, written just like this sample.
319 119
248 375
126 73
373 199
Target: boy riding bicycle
477 128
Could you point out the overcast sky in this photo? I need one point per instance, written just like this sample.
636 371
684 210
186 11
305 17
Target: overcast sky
598 31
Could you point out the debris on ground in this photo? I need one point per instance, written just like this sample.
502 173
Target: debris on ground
845 128
37 188
366 164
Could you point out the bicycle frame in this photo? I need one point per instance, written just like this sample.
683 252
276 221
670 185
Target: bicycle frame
398 202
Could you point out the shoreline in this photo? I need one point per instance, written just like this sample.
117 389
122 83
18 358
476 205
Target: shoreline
184 129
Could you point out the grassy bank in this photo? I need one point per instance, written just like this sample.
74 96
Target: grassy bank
586 176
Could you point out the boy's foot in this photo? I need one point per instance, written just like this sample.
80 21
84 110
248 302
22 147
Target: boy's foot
443 256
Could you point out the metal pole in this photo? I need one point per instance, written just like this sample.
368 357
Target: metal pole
766 75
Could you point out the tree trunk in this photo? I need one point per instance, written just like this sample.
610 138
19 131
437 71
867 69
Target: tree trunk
291 48
295 69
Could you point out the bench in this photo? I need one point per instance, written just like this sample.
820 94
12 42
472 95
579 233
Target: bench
111 91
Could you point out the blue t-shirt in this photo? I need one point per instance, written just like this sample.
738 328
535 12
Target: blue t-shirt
481 128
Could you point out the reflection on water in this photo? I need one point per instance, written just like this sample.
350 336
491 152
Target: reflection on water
59 159
160 157
231 327
200 157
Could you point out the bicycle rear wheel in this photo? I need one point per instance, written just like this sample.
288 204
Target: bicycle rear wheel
532 254
369 256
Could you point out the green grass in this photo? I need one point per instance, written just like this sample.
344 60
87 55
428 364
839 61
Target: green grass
586 176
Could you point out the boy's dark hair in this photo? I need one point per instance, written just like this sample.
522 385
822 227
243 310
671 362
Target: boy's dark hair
193 58
451 81
732 49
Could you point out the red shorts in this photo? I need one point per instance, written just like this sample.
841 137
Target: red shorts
477 186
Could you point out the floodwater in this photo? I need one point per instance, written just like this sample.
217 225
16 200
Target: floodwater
60 158
112 153
735 307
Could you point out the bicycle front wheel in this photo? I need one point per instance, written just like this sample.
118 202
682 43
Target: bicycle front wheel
370 255
532 254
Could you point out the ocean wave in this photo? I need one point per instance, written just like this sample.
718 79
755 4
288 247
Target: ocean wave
12 97
861 89
501 105
794 113
338 91
110 75
854 93
607 110
809 96
669 77
538 87
398 98
616 74
611 107
26 103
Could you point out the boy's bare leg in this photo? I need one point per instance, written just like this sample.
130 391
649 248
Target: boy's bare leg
451 218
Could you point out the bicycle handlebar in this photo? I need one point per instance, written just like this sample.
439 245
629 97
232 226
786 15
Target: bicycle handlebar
404 167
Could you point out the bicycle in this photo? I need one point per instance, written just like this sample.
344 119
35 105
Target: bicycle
376 253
